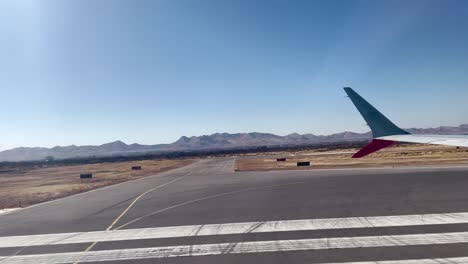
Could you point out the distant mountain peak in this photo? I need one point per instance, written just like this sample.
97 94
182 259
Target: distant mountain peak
115 143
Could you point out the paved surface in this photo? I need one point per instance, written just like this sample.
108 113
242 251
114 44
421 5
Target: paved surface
206 213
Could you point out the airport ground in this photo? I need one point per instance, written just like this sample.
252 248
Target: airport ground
206 212
23 186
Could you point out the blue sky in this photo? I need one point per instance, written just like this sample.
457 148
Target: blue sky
90 72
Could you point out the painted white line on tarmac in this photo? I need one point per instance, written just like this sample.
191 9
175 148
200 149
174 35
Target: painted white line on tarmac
459 260
241 248
234 228
8 210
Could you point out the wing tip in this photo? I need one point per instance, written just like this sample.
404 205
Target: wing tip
347 89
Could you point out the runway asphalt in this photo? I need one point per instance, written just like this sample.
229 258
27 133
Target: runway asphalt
207 213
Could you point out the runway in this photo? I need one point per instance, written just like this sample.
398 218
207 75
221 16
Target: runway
207 213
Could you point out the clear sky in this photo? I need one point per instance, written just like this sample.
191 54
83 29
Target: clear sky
90 72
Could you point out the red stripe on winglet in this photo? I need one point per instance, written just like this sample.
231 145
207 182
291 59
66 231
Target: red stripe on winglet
373 146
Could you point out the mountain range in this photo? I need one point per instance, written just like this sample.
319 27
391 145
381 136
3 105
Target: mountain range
214 141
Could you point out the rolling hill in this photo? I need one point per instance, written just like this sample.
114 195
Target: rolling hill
214 141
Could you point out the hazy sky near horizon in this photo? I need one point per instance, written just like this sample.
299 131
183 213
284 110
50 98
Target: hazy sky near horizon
91 72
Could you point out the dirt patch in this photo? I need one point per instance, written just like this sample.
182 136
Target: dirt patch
19 188
322 159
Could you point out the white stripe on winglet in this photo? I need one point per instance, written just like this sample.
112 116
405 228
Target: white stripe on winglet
241 248
234 228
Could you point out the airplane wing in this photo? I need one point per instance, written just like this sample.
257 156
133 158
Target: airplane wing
449 140
386 133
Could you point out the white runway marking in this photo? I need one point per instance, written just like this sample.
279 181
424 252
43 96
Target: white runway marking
243 247
461 260
8 210
234 228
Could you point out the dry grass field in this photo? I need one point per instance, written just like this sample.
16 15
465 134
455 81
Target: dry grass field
23 188
322 158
